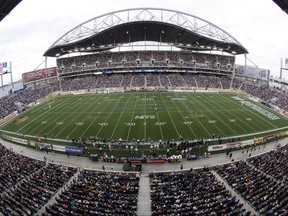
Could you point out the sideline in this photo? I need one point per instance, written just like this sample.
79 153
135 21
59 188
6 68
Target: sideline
85 163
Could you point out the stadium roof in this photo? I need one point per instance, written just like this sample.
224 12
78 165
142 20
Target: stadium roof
6 6
145 24
283 4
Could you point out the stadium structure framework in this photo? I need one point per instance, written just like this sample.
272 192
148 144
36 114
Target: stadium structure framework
154 29
176 28
6 7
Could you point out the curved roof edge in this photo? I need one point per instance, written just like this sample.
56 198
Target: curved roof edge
105 22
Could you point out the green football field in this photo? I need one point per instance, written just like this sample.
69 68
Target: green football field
146 116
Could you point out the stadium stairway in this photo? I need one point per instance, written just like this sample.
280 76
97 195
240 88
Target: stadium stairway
246 205
144 198
52 199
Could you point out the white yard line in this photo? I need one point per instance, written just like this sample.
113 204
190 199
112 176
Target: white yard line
159 125
184 118
198 119
72 121
39 116
112 134
109 114
254 113
170 117
128 135
238 119
94 119
53 122
223 134
244 117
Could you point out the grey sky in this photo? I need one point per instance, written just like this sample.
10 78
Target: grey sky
34 25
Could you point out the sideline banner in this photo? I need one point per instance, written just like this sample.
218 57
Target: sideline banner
217 147
258 140
71 149
247 142
233 145
15 139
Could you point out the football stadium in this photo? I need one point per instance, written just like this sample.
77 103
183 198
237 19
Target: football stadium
146 113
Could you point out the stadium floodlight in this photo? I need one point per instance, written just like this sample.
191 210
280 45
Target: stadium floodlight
188 45
214 48
233 52
58 54
82 49
208 47
202 46
88 48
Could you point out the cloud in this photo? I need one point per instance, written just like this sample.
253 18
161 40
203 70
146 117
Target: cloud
33 26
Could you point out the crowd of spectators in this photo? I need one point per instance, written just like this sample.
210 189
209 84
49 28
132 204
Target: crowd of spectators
194 192
110 60
98 193
268 195
266 93
29 183
25 96
15 167
274 163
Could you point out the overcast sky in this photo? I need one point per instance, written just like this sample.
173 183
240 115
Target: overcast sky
34 25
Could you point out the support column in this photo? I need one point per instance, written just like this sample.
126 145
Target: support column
11 76
45 69
2 82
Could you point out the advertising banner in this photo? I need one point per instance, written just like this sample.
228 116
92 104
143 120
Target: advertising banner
252 71
273 136
258 140
217 147
5 67
247 142
71 149
39 74
15 139
233 145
